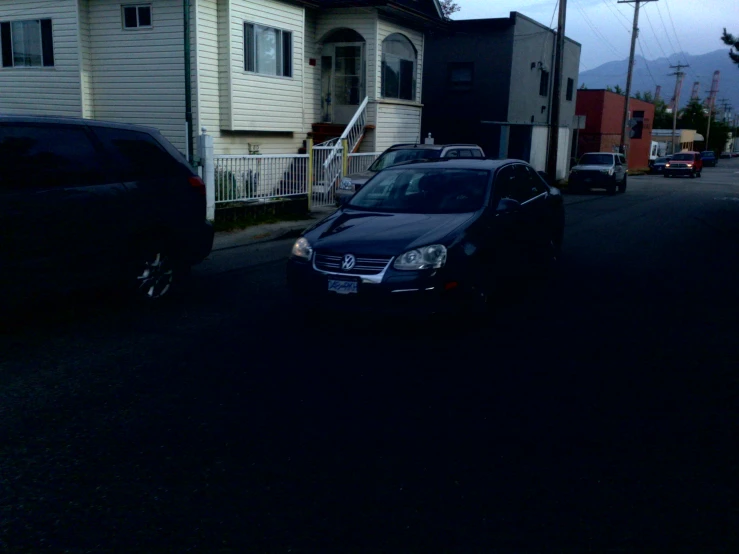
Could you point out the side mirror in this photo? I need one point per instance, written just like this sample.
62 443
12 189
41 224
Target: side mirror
507 206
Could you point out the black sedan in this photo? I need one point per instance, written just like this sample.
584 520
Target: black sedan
430 237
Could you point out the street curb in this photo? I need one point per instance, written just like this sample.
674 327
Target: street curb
281 234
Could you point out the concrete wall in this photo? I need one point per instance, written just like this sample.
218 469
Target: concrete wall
454 115
603 111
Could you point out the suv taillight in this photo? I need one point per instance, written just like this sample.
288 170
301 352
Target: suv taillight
197 183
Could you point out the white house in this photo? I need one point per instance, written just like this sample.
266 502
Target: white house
264 73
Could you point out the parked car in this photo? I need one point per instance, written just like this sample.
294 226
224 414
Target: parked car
400 153
658 166
709 158
605 170
727 155
429 236
688 164
85 202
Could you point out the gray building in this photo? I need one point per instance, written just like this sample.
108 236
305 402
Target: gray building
489 81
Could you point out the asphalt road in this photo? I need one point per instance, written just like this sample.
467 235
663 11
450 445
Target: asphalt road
596 411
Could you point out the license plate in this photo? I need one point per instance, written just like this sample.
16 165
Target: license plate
342 286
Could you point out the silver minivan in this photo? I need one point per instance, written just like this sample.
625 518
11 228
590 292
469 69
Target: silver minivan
606 170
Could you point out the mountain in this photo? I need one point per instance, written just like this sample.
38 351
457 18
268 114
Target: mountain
701 69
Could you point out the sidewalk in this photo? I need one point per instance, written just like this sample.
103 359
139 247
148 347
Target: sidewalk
268 231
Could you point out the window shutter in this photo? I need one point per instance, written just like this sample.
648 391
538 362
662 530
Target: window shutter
287 54
5 45
47 43
383 78
249 47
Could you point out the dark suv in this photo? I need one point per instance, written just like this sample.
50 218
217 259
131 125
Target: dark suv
85 202
400 153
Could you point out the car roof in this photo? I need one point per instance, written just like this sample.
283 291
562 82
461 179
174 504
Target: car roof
431 146
456 163
73 121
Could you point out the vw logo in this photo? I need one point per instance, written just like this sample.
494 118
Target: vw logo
347 262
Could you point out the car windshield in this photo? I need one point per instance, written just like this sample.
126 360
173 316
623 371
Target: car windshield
661 160
682 157
596 159
708 153
424 191
394 157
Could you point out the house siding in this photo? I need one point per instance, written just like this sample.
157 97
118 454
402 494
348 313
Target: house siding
88 106
396 123
214 67
311 74
263 102
49 90
139 75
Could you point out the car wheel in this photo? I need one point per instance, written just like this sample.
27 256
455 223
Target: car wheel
611 188
692 174
622 186
700 174
666 175
156 273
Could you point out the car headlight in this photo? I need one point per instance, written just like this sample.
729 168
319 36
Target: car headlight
426 257
302 249
607 171
667 165
690 165
346 184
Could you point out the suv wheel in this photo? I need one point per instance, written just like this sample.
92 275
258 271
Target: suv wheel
611 187
156 273
622 186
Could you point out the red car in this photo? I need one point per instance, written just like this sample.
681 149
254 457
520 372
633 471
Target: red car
689 164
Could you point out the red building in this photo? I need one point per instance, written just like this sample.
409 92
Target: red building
604 112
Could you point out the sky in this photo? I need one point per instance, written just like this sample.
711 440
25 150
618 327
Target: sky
603 27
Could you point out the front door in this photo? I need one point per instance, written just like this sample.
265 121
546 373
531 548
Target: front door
342 81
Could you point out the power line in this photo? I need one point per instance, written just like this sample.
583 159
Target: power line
656 38
617 13
596 32
646 64
677 38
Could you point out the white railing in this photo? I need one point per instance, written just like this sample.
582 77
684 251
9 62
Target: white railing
261 177
327 173
352 133
358 163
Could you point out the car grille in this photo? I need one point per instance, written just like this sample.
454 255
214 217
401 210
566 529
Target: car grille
678 166
363 266
589 173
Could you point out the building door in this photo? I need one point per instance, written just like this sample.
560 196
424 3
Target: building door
342 81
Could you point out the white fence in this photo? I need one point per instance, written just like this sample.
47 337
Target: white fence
245 178
359 162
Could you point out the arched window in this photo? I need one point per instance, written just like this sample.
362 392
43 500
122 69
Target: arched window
398 68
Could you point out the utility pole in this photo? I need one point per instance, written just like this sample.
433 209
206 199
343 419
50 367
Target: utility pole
556 93
710 102
634 34
676 107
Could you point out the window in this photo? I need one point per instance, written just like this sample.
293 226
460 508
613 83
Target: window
424 191
544 83
27 43
268 51
570 89
460 75
528 183
137 155
398 68
137 17
47 156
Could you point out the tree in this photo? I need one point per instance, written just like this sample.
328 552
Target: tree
731 40
648 97
618 90
662 119
608 88
637 95
448 7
